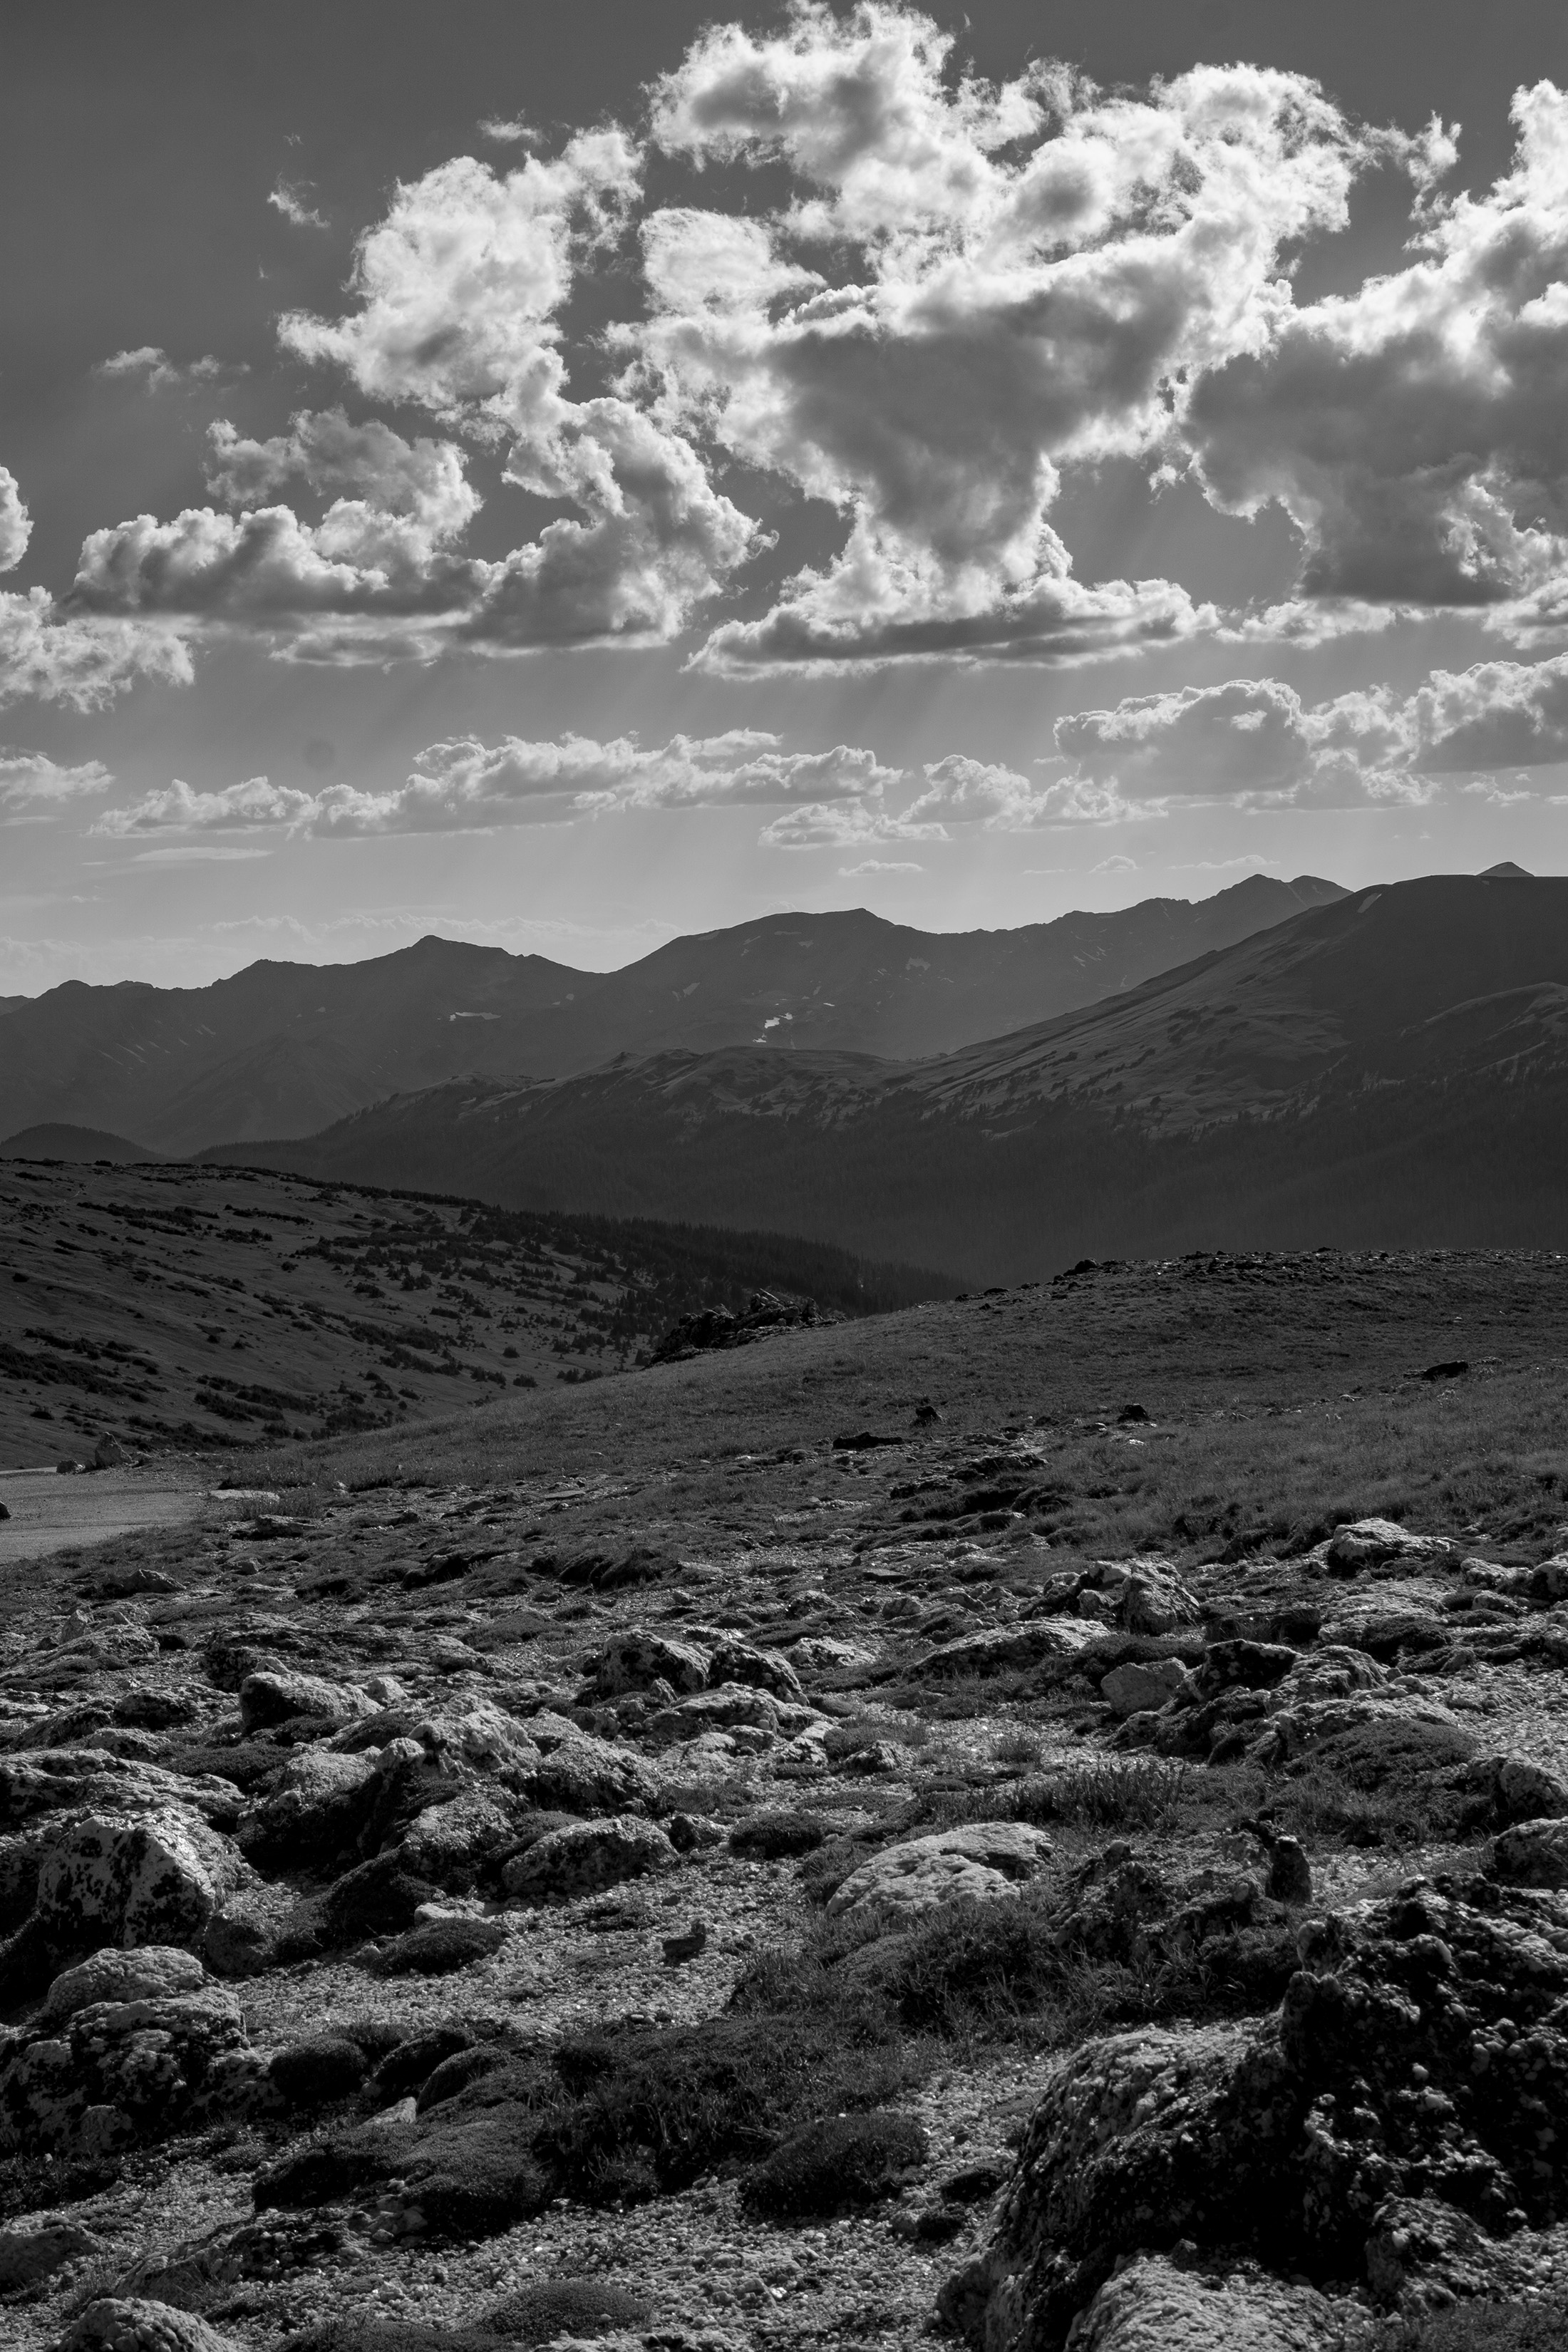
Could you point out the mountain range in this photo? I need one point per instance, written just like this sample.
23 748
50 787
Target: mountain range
281 1050
1386 1070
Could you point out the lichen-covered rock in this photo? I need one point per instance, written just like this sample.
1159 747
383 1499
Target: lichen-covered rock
1363 1544
742 1662
451 1844
979 1862
1534 1853
567 1863
712 1710
1518 1789
1003 1649
1145 1594
131 2324
142 1878
283 1694
1153 2306
153 1973
1141 1684
117 2072
1419 2052
313 1809
577 1773
633 1659
28 2255
57 1779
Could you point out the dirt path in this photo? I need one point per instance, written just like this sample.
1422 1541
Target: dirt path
48 1512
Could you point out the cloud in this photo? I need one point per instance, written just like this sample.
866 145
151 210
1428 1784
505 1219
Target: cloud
369 461
1414 431
843 826
32 785
1118 862
290 197
508 130
869 865
159 372
961 791
16 523
1026 273
58 656
233 808
1497 715
465 785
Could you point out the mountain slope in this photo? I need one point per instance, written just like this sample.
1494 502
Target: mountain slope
1386 1070
200 1306
284 1049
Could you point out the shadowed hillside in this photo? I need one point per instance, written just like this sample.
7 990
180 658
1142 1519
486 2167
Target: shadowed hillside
282 1049
1388 1071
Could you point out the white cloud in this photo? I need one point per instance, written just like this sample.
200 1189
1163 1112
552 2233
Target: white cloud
843 826
465 785
961 791
16 523
869 865
32 785
1497 715
1118 862
1414 431
291 198
1027 272
424 478
58 656
159 372
233 808
508 130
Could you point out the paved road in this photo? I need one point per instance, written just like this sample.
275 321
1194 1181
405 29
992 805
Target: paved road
48 1512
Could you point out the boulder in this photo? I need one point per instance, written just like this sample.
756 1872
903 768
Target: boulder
633 1659
903 1883
279 1695
1535 1853
130 1879
130 2324
765 1670
590 1855
119 2072
451 1844
1003 1649
57 1779
1416 2053
1518 1789
1145 1594
28 2255
153 1973
1364 1544
1153 2306
1143 1685
313 1809
580 1774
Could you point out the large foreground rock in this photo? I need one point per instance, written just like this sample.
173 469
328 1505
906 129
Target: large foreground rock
900 1886
1420 2051
114 2073
1153 2307
130 2323
587 1856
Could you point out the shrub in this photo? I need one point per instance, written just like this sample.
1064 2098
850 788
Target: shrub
772 1836
413 2062
565 2307
836 2162
1484 2327
319 2072
437 1948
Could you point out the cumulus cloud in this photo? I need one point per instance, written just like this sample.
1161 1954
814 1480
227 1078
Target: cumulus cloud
292 199
1414 431
16 523
869 865
159 373
32 785
822 824
55 656
961 791
465 785
1025 272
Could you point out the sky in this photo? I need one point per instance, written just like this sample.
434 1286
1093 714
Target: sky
564 478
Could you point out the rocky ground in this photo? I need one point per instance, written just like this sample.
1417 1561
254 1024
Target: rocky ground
1042 1818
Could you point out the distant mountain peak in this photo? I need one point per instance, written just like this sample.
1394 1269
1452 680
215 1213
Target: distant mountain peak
1505 871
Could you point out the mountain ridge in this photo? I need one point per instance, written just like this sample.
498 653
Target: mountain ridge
1423 1023
281 1050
